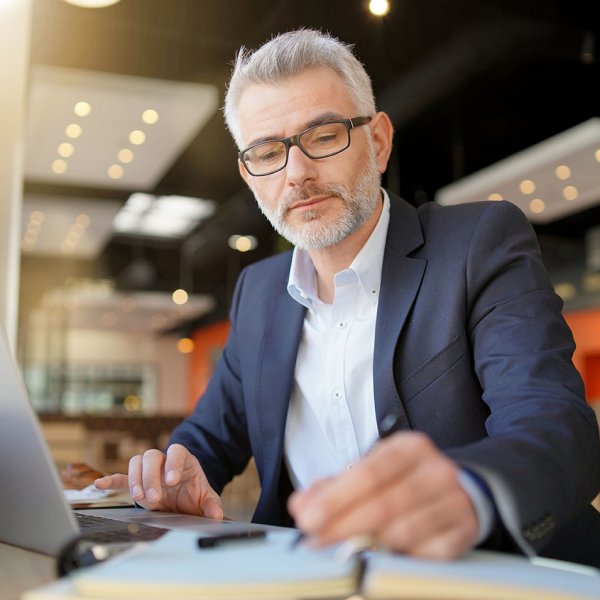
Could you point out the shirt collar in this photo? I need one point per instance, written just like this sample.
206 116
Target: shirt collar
302 281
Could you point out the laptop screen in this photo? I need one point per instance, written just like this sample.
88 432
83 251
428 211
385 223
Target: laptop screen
33 511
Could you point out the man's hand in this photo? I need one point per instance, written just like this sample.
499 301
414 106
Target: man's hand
404 494
173 482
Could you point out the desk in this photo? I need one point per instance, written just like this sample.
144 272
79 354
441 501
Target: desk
22 569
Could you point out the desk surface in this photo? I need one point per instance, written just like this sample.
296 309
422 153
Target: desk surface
22 569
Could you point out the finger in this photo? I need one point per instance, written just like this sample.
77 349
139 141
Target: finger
152 476
117 481
417 530
136 486
415 490
211 506
177 457
448 544
390 460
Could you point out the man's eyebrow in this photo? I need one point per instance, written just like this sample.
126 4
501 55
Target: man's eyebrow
319 120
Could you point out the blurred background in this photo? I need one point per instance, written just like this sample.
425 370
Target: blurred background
125 222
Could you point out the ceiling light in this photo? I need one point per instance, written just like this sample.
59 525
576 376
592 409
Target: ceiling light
563 172
115 171
82 109
180 297
137 137
576 147
125 155
570 193
242 243
527 187
92 3
379 7
496 197
163 216
150 116
185 345
65 149
59 166
73 130
537 205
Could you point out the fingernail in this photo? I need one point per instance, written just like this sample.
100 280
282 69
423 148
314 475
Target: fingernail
152 495
136 492
170 477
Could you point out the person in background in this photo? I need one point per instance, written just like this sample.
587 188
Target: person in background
442 317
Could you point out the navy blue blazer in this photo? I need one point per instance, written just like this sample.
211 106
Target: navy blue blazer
470 348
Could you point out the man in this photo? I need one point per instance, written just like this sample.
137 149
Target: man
441 317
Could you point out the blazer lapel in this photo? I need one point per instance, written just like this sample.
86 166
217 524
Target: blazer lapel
401 277
275 376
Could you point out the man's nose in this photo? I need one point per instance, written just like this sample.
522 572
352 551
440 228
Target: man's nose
300 168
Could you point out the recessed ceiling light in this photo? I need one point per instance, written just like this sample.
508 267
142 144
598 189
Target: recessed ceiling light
570 192
125 155
73 130
92 3
59 166
82 109
496 197
563 172
137 137
115 171
537 205
527 186
65 149
150 116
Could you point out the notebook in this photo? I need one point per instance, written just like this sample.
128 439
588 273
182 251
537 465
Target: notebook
34 513
263 569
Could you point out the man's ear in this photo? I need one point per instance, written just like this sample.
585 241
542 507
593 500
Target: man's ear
245 176
383 134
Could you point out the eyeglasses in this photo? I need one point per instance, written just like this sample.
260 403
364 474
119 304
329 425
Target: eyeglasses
320 141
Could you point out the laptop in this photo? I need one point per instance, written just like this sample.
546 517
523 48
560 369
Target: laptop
34 512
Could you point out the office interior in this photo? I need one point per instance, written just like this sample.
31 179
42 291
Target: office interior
124 222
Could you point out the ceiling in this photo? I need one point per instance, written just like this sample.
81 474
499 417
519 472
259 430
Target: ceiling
466 83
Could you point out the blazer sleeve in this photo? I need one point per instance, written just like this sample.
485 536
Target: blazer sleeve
216 432
541 458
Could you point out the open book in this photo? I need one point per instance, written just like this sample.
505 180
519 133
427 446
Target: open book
175 567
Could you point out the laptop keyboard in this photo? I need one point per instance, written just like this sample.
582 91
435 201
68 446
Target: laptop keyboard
105 531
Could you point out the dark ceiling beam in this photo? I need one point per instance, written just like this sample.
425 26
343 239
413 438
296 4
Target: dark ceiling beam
466 56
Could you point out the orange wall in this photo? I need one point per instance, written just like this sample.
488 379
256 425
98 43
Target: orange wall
208 344
585 325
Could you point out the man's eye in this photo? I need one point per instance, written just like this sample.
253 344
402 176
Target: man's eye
269 154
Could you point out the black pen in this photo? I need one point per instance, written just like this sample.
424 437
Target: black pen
389 424
237 536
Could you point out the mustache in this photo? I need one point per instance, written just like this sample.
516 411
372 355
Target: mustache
308 191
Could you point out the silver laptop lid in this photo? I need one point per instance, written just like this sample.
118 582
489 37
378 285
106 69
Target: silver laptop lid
33 511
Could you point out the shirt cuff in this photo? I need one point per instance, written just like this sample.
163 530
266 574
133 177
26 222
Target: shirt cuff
482 502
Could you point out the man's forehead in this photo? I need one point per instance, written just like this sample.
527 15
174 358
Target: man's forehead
312 97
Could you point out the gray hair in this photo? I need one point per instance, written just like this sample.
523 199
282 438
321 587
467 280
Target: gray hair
287 55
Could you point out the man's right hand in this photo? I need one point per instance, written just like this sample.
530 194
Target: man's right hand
173 482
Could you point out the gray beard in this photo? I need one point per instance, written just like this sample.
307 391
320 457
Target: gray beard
358 205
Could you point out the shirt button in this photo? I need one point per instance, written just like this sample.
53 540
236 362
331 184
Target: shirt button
337 394
342 325
348 466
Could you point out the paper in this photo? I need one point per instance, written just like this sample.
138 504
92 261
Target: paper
91 496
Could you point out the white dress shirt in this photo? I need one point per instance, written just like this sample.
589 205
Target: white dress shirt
331 419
